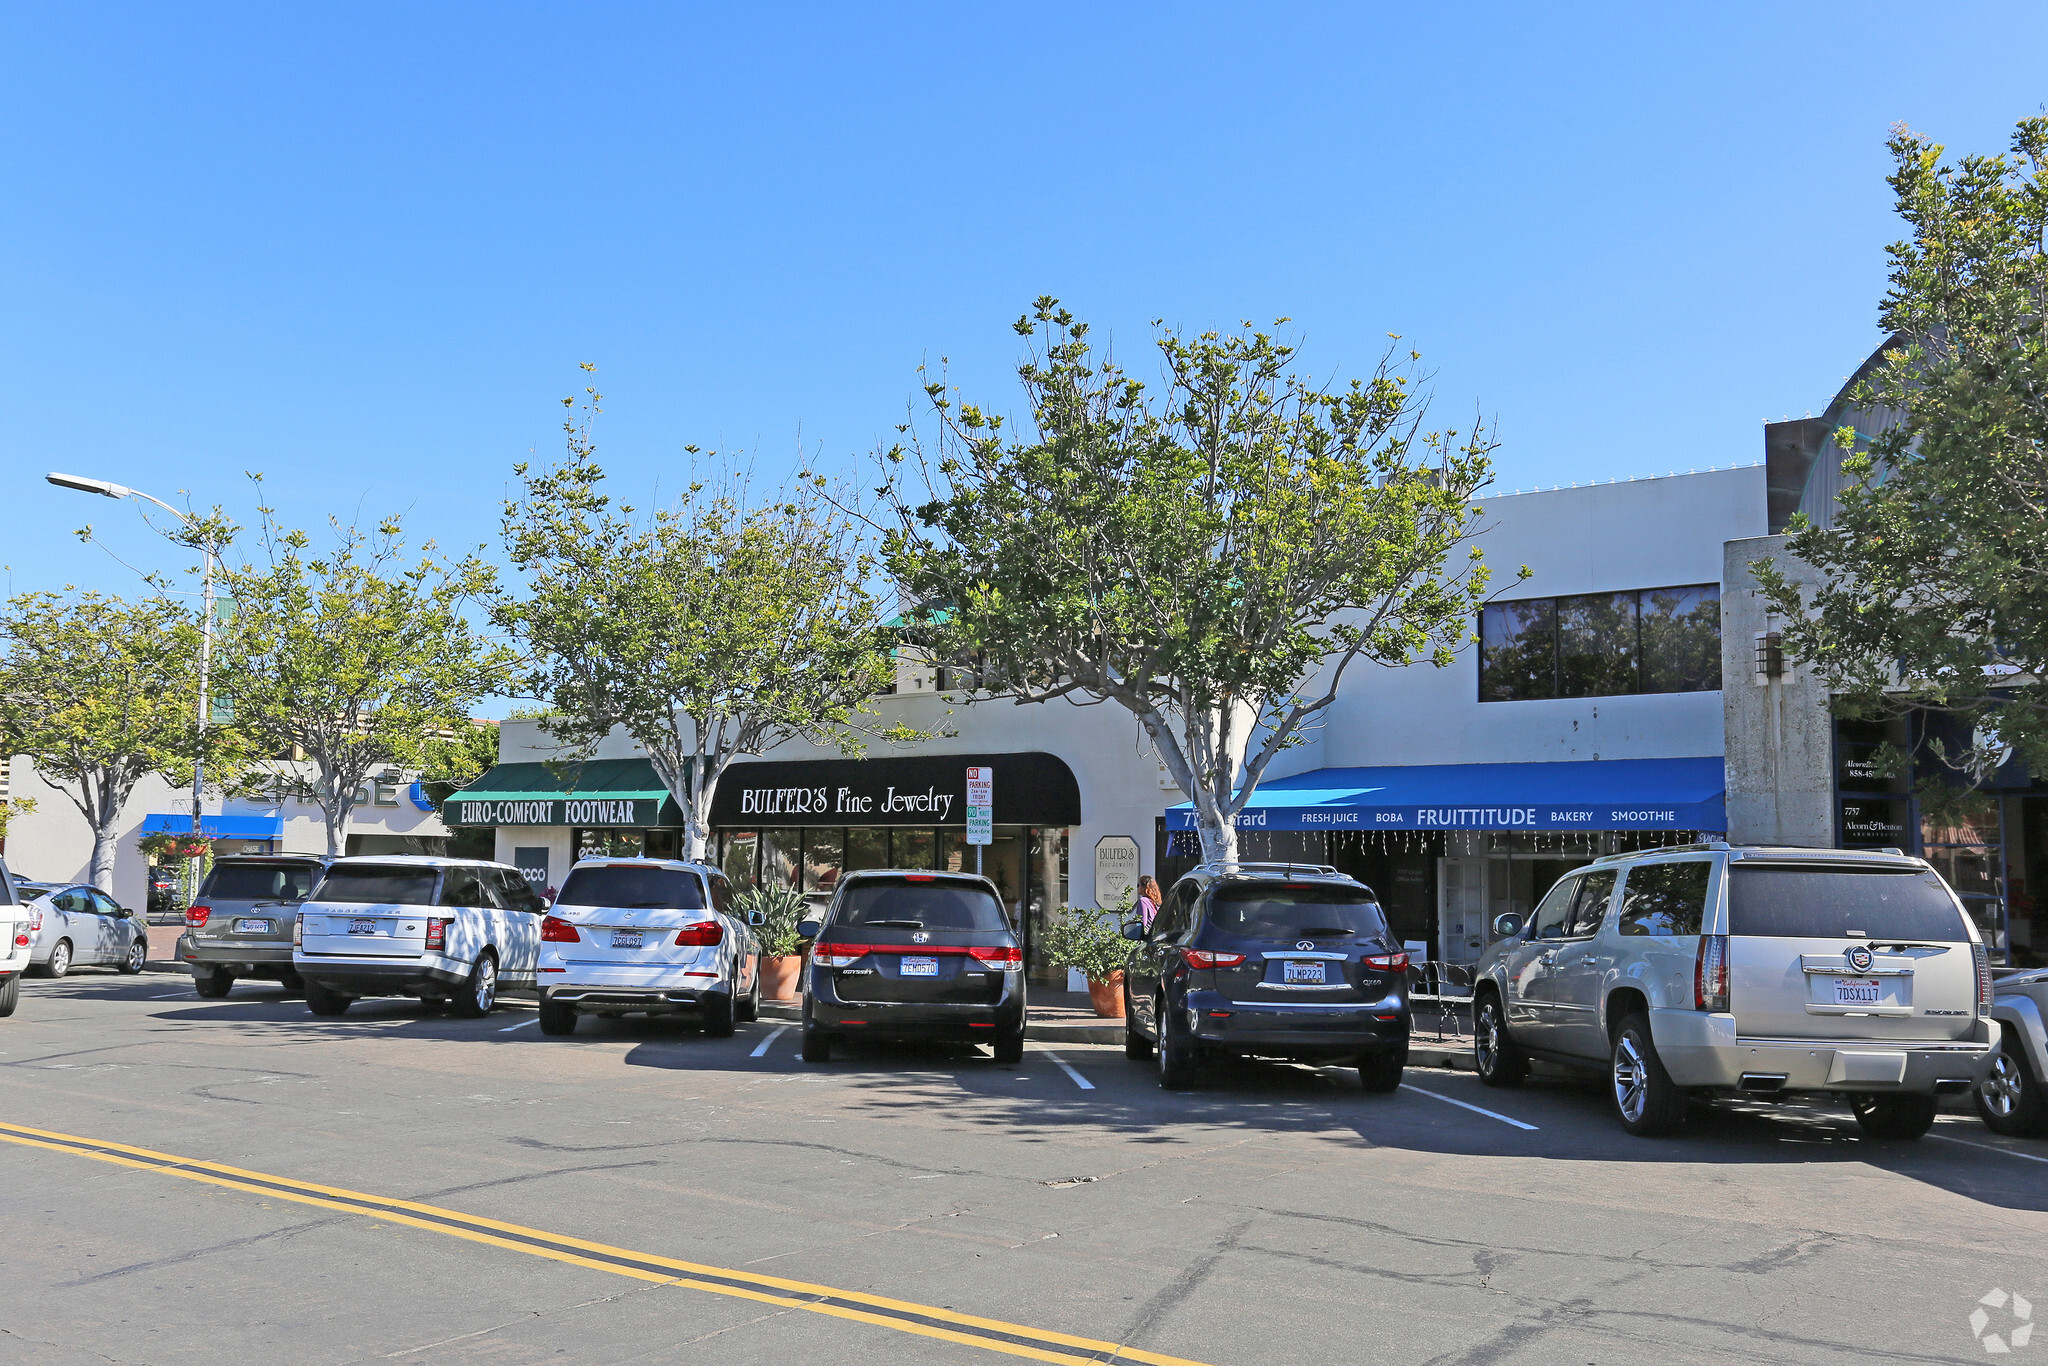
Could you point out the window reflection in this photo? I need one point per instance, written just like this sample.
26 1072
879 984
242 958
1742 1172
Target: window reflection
1652 640
1596 645
1682 639
1518 650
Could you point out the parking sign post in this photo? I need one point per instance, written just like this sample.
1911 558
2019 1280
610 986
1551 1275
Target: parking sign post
981 803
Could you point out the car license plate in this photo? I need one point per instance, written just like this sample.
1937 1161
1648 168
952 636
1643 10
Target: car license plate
1303 973
362 927
252 927
1856 991
626 939
920 967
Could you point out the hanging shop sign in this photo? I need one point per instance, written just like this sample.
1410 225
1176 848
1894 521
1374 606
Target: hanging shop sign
1116 870
927 790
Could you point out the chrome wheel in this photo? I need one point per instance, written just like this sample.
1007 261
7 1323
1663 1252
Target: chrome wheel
1631 1080
1486 1038
2004 1089
60 958
486 984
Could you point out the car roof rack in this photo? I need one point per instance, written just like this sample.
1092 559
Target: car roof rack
1254 866
1702 846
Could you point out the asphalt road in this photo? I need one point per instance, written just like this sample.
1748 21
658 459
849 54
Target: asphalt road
237 1181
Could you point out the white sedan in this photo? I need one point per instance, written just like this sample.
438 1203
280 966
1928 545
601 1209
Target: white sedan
644 936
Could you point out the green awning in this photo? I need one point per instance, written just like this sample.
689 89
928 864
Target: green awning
595 792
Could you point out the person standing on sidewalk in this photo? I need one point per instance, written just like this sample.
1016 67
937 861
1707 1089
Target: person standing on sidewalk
1148 900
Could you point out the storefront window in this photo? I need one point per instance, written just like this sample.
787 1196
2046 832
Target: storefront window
867 847
910 848
1596 645
742 848
608 843
824 856
781 854
1962 842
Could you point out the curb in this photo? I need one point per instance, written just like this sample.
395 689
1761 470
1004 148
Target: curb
1112 1032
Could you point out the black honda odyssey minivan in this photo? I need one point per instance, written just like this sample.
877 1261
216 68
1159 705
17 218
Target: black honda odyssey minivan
914 955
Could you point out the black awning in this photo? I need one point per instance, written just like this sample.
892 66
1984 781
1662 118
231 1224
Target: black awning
925 789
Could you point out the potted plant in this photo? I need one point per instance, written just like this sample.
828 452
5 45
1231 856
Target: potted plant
779 910
1093 942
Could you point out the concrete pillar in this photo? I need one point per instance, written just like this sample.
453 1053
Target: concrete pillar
1780 734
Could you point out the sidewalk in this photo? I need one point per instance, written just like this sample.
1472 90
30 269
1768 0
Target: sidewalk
1067 1017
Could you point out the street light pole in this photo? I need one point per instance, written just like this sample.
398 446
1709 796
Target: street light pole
108 489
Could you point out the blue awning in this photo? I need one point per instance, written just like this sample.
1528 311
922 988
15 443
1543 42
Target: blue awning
1595 794
216 827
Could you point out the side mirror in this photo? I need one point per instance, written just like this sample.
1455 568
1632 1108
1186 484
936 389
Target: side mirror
1134 931
1507 926
756 918
808 929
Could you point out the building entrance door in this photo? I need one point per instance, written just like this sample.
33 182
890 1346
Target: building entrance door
1462 902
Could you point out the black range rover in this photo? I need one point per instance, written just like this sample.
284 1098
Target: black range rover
1272 961
913 955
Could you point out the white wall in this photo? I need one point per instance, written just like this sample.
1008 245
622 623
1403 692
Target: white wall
1646 533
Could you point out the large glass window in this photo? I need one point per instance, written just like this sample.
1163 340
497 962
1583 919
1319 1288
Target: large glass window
824 856
1601 644
866 847
910 848
781 852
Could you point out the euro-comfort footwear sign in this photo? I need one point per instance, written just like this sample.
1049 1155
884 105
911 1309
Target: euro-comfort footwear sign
599 811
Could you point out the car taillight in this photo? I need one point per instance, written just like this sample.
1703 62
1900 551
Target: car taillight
1008 957
1710 973
195 916
1387 962
1983 978
703 934
298 931
1208 958
558 931
437 934
838 955
35 920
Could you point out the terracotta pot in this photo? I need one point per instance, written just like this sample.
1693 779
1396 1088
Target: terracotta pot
1107 996
778 977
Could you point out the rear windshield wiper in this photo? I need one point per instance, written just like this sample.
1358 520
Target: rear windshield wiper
897 924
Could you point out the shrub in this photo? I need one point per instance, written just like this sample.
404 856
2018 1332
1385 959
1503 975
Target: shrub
780 909
1090 940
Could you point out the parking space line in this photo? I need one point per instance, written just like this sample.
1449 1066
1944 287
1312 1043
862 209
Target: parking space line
762 1048
521 1025
172 997
1990 1148
1061 1063
1462 1105
924 1320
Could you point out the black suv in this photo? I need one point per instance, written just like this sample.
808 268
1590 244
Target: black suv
1268 960
907 955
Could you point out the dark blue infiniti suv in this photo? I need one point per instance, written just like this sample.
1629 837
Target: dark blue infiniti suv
1268 960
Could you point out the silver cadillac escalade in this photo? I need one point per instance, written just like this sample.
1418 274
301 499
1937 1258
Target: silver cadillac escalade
1714 970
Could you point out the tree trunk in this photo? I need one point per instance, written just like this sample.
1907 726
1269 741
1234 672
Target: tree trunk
1219 836
105 843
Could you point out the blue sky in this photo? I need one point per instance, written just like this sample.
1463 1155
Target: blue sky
362 248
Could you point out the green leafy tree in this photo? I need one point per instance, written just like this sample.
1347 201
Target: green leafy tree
457 758
99 693
711 629
1213 556
1933 578
354 657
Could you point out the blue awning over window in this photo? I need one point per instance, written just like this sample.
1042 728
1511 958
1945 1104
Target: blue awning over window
1596 794
216 827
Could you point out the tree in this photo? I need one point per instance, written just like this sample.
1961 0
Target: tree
711 629
1213 557
352 657
99 692
1933 578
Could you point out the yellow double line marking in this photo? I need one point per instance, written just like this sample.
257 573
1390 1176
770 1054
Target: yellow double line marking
923 1319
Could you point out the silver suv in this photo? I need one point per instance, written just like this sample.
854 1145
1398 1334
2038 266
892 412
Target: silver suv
1709 970
2011 1099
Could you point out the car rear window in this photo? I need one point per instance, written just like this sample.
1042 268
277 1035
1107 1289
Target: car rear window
628 886
1839 902
894 903
1269 912
373 886
260 881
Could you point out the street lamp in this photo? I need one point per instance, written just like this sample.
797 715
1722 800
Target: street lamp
106 488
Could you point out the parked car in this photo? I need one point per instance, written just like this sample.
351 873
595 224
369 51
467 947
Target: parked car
913 955
636 936
240 924
2010 1099
1268 960
447 931
163 891
14 940
75 924
1709 970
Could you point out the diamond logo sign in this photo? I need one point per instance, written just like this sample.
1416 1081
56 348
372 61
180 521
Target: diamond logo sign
2002 1321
